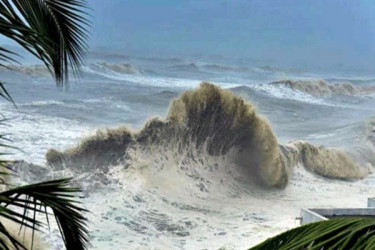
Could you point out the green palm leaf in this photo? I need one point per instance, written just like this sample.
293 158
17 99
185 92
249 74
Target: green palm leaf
37 198
21 205
5 170
5 94
55 31
342 233
8 240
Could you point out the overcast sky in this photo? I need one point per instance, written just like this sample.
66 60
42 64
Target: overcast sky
317 32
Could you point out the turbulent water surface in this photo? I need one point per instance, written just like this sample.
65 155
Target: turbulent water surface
224 165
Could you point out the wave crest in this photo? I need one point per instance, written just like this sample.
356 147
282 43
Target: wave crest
186 67
99 151
123 68
220 68
32 70
208 120
212 127
321 88
223 122
327 162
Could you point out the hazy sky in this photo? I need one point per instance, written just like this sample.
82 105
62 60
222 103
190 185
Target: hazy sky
292 31
316 32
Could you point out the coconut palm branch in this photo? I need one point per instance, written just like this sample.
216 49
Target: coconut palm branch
55 198
342 233
35 199
55 31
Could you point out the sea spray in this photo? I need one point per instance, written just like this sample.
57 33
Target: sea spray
364 152
99 151
208 128
224 123
208 120
327 162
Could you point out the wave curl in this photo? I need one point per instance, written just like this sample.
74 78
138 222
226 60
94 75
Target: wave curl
205 125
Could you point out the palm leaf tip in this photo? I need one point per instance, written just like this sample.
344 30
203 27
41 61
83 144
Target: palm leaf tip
58 196
53 30
341 233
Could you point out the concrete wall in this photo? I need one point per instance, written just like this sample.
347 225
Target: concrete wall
309 216
319 214
371 202
345 212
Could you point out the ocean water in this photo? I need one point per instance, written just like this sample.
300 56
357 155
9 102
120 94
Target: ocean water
157 200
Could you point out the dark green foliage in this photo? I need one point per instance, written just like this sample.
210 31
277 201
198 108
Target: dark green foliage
37 198
55 31
341 233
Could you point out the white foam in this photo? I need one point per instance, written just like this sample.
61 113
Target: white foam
152 80
35 134
283 92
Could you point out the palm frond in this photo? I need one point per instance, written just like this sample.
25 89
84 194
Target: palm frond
37 198
6 56
5 169
341 233
55 31
5 94
8 240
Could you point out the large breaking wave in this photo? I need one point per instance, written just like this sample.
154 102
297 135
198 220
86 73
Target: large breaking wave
209 130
